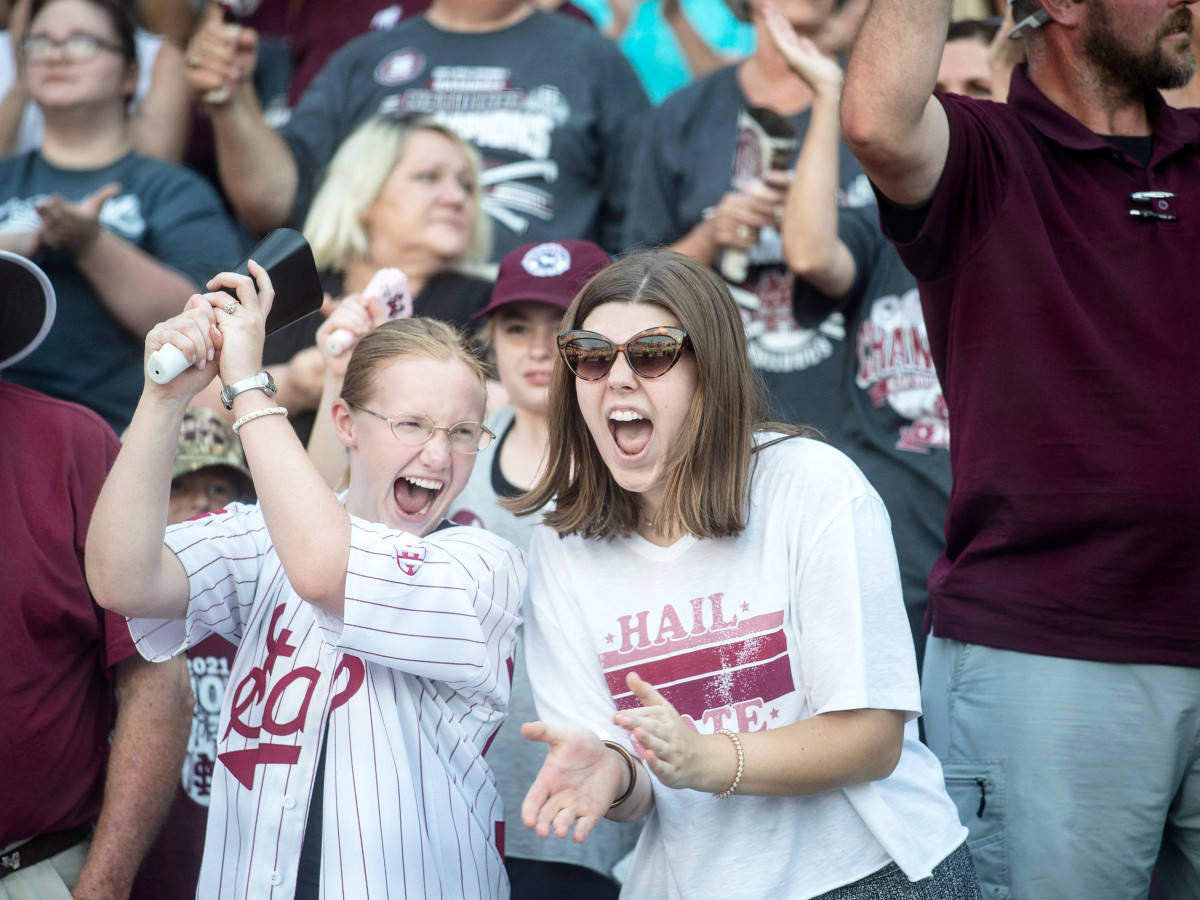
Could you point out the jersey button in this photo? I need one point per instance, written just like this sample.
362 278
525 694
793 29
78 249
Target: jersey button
289 802
275 878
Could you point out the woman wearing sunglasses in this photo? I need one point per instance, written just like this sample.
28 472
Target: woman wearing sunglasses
715 632
373 642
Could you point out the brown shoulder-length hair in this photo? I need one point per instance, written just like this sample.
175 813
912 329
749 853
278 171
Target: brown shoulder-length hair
710 467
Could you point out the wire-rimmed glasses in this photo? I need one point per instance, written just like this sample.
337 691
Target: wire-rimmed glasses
417 428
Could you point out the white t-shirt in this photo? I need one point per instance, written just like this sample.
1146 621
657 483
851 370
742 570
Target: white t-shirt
413 681
800 615
33 125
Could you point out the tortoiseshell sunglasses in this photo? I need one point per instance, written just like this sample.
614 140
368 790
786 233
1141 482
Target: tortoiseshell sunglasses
650 353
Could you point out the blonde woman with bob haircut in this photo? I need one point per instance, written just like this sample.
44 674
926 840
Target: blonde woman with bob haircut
403 192
372 668
748 571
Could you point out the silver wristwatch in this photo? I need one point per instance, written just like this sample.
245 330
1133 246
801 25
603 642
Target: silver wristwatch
260 382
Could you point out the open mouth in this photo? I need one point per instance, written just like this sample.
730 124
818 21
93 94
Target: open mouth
415 496
631 433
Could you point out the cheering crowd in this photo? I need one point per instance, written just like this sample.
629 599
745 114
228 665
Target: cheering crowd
603 533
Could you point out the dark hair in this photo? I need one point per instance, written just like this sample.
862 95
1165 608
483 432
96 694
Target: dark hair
982 30
710 466
119 15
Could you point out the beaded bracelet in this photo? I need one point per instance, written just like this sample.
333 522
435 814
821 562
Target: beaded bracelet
258 414
737 778
625 754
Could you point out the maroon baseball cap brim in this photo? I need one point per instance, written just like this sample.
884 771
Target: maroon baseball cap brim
550 272
27 307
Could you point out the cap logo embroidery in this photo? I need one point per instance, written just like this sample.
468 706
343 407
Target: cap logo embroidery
546 260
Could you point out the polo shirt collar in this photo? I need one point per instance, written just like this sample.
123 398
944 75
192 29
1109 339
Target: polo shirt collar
1172 128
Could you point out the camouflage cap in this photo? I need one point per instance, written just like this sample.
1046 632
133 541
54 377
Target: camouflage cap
205 440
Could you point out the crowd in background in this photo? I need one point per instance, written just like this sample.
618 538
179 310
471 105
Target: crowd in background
498 155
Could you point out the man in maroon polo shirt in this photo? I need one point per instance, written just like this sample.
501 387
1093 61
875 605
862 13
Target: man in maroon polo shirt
76 814
1056 243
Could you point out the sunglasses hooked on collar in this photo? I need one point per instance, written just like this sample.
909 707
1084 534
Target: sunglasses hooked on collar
650 353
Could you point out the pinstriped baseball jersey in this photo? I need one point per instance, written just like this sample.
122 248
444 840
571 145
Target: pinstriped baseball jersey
413 680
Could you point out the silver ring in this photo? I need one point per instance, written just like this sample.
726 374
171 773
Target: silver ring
193 60
743 232
230 307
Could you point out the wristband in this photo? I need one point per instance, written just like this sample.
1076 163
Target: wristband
628 757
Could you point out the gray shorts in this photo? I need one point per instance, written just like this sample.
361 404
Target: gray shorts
1075 779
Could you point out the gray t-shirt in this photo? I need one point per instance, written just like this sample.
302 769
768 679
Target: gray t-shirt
164 209
548 102
684 165
514 760
895 421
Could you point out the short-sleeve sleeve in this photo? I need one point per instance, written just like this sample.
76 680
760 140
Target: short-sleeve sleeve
967 197
850 611
223 554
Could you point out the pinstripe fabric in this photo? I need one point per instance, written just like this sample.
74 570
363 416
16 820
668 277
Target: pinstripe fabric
414 681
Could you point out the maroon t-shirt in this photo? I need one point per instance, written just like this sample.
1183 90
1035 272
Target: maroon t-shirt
58 648
1063 329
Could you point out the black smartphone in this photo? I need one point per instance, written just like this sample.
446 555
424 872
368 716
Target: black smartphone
288 259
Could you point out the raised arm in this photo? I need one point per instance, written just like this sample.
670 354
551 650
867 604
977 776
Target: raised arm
701 58
308 526
257 169
164 115
12 104
129 569
890 119
352 317
811 246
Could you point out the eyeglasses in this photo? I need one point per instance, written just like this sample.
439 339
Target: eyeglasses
415 428
76 48
650 353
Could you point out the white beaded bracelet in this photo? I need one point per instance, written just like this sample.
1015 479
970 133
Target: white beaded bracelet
737 778
258 414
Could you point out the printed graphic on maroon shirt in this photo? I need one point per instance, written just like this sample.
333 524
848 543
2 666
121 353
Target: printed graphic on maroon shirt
273 704
481 104
208 664
896 369
719 667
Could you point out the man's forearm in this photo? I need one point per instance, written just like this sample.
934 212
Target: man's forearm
12 111
148 747
257 169
137 289
811 246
